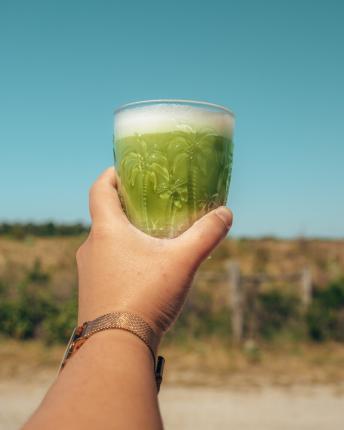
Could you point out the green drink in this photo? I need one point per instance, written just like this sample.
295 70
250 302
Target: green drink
174 161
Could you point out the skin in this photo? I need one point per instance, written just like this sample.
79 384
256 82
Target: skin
109 383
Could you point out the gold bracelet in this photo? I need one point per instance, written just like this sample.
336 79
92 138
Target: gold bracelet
117 320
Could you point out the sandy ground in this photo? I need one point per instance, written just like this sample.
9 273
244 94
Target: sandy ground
203 408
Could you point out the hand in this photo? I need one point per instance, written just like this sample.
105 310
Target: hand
123 269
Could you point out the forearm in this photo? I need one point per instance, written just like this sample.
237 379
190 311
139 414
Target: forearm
108 384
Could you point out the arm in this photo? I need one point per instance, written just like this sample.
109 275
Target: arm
109 383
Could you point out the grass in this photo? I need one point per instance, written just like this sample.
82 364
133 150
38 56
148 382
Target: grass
209 360
204 362
212 362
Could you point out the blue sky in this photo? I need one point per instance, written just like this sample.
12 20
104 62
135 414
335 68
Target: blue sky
65 65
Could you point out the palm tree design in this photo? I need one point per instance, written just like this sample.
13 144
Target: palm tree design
208 202
176 192
142 166
225 166
195 148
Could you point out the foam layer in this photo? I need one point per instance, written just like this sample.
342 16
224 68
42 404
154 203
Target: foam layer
162 118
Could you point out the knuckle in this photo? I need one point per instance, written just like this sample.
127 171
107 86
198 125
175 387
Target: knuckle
218 224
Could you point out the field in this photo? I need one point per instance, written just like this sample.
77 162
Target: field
287 290
269 255
290 353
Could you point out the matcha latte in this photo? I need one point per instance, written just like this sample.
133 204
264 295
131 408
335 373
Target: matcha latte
174 161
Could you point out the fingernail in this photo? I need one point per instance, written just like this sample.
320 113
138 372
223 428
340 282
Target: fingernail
225 214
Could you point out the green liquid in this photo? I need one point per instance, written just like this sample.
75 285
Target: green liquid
169 180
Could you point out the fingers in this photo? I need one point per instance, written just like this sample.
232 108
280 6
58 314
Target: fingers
105 205
201 238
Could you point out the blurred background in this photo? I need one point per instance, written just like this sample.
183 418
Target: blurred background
261 341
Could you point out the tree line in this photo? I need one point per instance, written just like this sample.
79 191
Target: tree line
46 229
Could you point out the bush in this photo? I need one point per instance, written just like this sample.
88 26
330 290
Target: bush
198 320
276 311
325 316
30 309
22 315
58 327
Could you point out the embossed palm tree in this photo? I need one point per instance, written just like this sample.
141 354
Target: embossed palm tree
225 166
208 202
175 191
193 147
143 167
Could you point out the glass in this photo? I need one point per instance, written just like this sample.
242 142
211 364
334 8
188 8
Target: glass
174 160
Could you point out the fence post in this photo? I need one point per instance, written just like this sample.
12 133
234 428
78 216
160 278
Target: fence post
306 287
236 300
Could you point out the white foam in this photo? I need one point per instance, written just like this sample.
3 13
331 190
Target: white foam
163 117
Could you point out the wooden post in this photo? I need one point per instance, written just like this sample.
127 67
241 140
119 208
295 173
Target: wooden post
236 301
306 287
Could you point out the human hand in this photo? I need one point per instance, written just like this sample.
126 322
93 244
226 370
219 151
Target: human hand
121 268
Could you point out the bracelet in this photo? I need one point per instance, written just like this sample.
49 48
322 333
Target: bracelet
117 320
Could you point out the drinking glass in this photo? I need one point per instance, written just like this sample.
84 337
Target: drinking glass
174 161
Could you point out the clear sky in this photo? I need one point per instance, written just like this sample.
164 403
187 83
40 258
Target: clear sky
65 65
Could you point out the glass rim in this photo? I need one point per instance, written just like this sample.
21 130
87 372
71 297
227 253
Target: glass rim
174 101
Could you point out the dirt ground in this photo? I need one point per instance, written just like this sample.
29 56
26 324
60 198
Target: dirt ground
205 408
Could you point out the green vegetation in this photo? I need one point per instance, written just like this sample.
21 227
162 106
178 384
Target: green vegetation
38 288
48 229
325 317
31 309
277 311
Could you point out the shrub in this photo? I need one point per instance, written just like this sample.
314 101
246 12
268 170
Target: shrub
275 311
199 320
31 309
58 326
325 316
22 315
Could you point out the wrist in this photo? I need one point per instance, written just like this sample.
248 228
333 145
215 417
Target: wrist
130 332
92 314
128 349
114 341
114 360
116 320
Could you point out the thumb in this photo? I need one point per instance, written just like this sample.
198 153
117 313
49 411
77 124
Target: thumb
202 237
